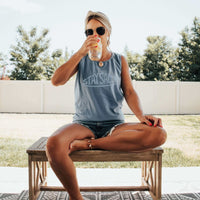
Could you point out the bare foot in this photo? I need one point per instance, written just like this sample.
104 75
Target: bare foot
77 145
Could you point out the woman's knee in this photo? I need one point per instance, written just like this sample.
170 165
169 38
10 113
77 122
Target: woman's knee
162 136
156 136
159 136
55 149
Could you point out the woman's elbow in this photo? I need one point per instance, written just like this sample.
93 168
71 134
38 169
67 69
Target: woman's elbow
56 82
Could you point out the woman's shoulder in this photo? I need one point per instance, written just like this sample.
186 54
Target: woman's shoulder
118 56
115 54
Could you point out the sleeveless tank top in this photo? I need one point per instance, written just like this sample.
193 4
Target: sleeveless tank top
98 93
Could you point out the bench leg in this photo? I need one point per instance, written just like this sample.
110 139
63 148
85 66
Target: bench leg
159 177
152 180
31 178
37 177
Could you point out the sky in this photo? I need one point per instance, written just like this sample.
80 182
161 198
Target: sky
132 21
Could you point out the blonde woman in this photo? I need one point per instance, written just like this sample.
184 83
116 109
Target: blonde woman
98 122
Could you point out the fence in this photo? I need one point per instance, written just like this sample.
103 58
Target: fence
42 97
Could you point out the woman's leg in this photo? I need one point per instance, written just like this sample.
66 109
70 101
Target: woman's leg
58 150
127 137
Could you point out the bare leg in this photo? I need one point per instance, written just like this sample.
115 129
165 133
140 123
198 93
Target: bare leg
127 137
58 150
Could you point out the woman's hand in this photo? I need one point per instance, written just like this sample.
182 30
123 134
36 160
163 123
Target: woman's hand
90 42
151 120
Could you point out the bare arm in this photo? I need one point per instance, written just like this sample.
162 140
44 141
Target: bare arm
132 98
67 70
130 94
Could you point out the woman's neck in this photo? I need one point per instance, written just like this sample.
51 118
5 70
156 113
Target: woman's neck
106 55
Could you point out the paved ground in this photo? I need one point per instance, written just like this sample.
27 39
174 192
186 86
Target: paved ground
175 180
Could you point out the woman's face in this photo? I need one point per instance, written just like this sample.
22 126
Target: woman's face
94 24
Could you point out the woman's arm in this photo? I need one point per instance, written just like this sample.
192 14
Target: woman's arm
132 98
67 70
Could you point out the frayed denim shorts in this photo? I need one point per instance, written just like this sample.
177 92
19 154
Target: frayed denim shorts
102 128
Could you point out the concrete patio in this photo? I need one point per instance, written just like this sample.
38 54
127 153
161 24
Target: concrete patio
175 180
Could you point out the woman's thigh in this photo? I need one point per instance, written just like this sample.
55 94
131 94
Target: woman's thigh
73 131
121 128
140 133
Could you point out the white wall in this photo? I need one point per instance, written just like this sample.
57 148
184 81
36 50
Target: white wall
42 97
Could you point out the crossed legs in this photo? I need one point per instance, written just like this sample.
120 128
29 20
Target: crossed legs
72 137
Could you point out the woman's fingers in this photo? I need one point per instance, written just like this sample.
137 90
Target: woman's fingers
92 42
152 121
88 43
160 122
145 120
157 122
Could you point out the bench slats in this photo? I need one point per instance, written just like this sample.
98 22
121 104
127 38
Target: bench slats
37 151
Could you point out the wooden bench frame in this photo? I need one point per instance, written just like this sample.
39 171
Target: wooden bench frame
151 179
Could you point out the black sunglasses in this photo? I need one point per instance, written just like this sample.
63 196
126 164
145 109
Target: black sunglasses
100 31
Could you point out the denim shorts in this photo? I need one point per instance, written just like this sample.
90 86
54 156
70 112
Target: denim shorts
100 129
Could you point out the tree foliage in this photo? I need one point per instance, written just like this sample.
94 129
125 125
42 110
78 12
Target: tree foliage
163 62
29 52
189 53
31 58
2 60
158 59
51 63
135 64
157 62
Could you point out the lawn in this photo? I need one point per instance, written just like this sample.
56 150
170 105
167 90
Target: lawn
19 131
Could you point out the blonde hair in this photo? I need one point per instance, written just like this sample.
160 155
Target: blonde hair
102 18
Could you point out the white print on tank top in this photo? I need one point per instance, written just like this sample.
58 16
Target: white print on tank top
98 80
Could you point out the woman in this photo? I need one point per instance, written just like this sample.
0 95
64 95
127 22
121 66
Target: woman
98 121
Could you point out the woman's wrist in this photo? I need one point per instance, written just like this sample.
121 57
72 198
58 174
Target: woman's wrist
81 53
140 116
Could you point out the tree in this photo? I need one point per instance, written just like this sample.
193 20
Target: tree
135 64
51 63
189 53
28 54
2 60
3 64
158 61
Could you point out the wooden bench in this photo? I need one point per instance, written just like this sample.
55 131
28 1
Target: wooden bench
151 179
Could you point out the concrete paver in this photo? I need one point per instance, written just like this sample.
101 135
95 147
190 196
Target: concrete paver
175 180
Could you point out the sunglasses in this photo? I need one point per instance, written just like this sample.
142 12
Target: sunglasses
100 31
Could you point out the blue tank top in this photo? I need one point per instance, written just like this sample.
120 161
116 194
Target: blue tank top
98 93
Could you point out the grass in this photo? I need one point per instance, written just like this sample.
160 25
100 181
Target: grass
182 148
13 152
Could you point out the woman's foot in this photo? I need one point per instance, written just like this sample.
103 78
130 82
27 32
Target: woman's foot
77 145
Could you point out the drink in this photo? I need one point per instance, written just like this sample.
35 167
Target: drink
96 53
